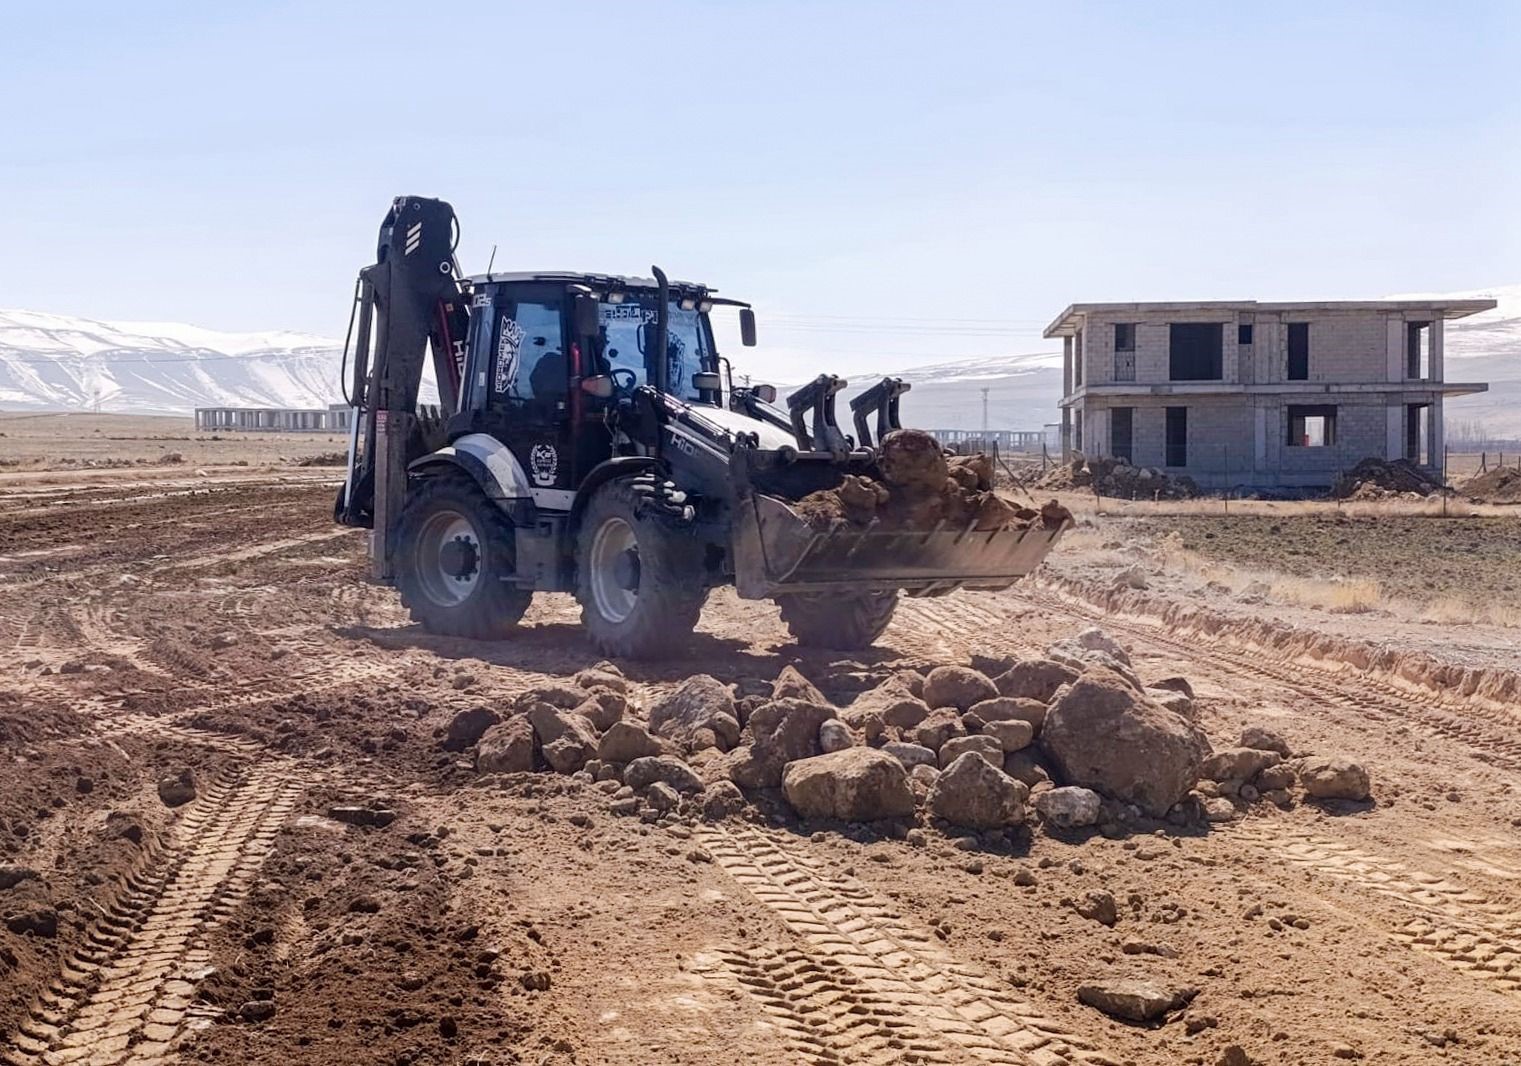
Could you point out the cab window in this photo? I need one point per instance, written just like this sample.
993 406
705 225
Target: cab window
530 362
687 346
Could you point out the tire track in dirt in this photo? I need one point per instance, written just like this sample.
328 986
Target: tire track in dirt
126 995
918 998
1462 928
819 1009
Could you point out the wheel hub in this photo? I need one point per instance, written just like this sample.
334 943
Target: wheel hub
459 558
626 570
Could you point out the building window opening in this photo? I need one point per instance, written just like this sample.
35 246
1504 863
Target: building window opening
1244 333
1194 351
1417 443
1418 350
1122 433
1299 351
1312 426
1124 351
1177 436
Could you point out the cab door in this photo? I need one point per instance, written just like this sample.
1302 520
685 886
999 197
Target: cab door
528 387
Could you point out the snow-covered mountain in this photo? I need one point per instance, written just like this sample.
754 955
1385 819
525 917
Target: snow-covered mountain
53 362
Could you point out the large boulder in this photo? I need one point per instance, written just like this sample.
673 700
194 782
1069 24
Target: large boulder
972 793
912 458
700 708
944 724
603 675
1264 739
835 735
889 704
566 739
957 686
1333 777
468 726
910 755
602 708
782 731
1105 735
626 741
1238 764
565 697
1034 679
1014 735
854 785
1069 807
1010 709
987 747
791 684
1095 639
506 748
644 772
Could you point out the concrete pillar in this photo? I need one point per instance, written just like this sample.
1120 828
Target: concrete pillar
1066 368
1259 438
1434 443
1066 434
1394 438
1435 345
1396 354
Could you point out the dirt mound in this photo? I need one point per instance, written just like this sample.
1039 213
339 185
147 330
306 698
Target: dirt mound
1376 479
917 486
1500 485
1117 478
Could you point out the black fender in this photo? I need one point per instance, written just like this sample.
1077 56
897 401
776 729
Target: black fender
602 473
519 509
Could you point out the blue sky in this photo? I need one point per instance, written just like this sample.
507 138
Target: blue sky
891 183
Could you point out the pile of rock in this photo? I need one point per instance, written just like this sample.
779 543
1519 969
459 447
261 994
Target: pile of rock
1072 739
1117 478
1381 479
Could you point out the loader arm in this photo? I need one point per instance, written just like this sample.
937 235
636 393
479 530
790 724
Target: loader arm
408 301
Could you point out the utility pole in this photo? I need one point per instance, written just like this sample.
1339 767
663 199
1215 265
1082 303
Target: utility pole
985 391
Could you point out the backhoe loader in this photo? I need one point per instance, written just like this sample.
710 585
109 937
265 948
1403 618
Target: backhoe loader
589 439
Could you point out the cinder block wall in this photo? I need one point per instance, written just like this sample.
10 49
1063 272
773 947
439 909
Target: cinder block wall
1345 346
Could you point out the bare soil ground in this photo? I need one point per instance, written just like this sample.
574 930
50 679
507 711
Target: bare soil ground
221 625
1420 558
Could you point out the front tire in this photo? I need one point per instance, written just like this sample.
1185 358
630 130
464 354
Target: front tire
639 580
844 621
456 561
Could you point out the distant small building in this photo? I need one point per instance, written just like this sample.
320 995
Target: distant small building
1004 440
268 419
1260 395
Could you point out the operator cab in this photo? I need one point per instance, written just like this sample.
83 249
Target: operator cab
548 353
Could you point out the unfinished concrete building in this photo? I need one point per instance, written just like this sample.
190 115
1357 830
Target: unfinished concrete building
1258 395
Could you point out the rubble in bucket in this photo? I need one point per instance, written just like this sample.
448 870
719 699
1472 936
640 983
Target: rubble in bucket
1071 741
918 487
1118 479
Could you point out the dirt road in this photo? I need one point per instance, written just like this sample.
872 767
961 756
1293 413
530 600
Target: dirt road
222 626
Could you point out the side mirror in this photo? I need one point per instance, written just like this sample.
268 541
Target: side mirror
707 381
747 328
764 393
600 386
586 316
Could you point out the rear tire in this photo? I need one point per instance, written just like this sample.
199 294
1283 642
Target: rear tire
844 621
639 579
455 560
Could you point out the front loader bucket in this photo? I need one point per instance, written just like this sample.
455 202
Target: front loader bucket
775 551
